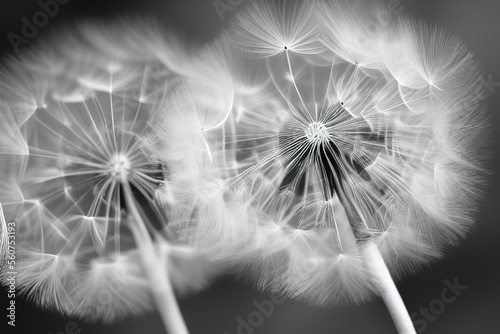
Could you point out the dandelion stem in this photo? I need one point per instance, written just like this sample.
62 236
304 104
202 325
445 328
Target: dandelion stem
388 290
161 287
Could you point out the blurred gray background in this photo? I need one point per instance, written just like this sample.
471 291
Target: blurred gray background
475 263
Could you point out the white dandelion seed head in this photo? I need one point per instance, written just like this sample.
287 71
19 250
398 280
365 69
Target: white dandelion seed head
358 136
317 133
119 166
74 142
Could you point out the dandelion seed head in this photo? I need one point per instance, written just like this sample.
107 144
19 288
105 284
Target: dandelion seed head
119 166
71 159
317 133
359 145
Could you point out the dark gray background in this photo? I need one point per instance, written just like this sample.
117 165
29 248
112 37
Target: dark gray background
475 262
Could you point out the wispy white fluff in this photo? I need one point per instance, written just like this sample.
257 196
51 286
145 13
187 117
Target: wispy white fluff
12 138
360 137
73 133
282 150
351 30
269 28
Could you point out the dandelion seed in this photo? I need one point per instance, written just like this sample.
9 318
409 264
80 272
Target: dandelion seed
271 29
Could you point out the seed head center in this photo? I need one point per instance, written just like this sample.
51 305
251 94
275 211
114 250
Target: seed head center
317 133
119 166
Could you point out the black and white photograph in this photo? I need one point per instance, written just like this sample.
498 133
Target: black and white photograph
250 167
